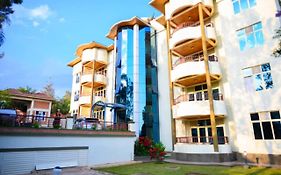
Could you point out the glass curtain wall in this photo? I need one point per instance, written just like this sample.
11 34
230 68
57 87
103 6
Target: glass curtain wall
148 87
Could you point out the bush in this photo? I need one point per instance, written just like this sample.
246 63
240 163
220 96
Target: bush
157 151
36 125
142 146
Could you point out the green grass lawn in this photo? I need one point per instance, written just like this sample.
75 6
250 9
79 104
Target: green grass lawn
154 168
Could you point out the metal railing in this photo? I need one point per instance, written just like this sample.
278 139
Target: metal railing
186 24
194 58
34 121
201 139
193 97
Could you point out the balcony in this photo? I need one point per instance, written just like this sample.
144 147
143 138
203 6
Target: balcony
178 10
86 79
85 100
203 144
87 56
188 39
190 70
99 80
99 98
187 106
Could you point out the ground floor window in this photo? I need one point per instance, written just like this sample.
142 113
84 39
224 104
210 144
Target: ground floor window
266 125
203 133
99 114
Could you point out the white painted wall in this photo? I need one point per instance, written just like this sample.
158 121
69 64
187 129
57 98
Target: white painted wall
194 68
102 150
239 102
74 105
201 148
163 87
197 108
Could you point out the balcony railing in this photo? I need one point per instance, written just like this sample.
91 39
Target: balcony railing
194 58
202 140
185 24
32 121
195 97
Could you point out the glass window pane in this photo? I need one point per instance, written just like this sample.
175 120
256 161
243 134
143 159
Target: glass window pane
254 116
257 26
267 131
236 7
259 37
256 69
241 33
204 86
198 88
275 115
242 43
199 96
252 3
265 67
249 85
202 132
194 134
258 82
251 40
277 129
257 130
244 4
247 72
268 80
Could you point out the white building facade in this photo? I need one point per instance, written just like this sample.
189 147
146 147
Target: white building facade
207 85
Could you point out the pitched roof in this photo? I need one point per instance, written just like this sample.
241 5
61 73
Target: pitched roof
39 95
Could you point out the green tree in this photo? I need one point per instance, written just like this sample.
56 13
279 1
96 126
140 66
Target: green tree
27 89
5 10
49 90
63 104
5 100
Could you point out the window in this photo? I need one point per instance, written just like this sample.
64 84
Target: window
258 78
201 93
76 95
266 125
250 37
102 71
99 114
101 92
240 5
77 79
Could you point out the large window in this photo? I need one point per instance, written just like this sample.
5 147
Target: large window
76 95
251 36
200 93
99 114
266 125
240 5
258 78
101 92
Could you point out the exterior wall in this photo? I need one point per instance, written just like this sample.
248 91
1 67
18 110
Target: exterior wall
101 150
74 105
41 104
163 86
233 61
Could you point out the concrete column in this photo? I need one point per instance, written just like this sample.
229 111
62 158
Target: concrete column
32 107
136 110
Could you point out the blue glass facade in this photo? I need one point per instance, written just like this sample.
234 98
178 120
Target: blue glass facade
147 102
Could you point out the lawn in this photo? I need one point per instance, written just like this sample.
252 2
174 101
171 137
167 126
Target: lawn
154 168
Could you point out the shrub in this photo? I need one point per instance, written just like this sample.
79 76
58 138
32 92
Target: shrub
142 146
36 125
157 151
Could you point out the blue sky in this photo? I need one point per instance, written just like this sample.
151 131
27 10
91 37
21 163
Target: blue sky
43 36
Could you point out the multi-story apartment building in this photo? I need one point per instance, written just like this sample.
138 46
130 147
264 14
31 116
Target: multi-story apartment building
200 78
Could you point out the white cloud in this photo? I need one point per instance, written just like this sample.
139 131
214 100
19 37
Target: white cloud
36 15
35 23
42 12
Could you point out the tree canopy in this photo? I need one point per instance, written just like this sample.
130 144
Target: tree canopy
5 10
27 89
